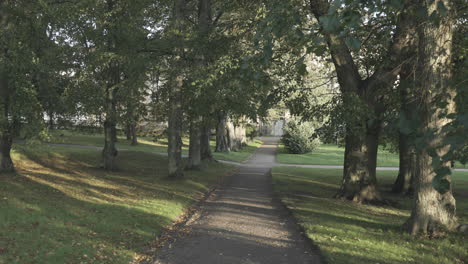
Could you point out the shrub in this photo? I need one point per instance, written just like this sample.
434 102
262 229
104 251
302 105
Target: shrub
251 131
299 138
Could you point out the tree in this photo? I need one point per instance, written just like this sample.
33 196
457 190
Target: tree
176 82
433 207
361 96
19 106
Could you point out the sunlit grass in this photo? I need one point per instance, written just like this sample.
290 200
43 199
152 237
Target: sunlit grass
148 144
331 155
239 156
60 208
350 233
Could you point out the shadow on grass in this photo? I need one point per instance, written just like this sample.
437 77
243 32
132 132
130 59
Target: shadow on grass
351 233
59 208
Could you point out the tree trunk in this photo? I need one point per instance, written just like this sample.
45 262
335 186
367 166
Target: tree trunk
205 147
222 134
128 131
51 120
6 141
194 159
133 133
6 133
359 177
433 211
404 180
174 130
109 153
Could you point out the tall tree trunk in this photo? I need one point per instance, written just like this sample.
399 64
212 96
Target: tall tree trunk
205 147
194 159
128 131
222 134
404 180
133 133
109 153
359 182
51 120
6 142
433 210
359 174
174 130
6 133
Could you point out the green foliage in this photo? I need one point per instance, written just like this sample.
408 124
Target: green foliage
299 138
251 131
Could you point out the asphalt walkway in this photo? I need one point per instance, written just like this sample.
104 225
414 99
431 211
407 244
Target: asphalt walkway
243 224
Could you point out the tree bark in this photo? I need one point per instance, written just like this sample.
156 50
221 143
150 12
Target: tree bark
194 159
404 181
128 133
133 134
6 142
359 181
6 133
205 147
433 211
359 173
109 153
174 130
222 134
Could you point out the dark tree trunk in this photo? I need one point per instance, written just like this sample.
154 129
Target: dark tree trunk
6 141
359 182
109 153
6 133
174 130
128 132
194 159
359 174
222 134
205 147
404 181
51 120
433 211
133 134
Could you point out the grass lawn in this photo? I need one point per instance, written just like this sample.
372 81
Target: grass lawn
333 155
241 155
328 154
148 145
352 233
60 208
144 144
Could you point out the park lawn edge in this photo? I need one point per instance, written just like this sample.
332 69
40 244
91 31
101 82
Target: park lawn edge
352 233
88 215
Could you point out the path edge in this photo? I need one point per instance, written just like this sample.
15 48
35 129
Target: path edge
168 234
290 217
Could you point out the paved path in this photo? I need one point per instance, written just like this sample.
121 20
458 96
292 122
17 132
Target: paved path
242 224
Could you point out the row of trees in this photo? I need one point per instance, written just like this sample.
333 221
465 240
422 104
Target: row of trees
190 63
400 67
198 63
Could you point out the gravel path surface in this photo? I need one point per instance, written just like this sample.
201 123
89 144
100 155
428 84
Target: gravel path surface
242 224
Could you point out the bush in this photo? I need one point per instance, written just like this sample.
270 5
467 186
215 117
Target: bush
299 138
251 131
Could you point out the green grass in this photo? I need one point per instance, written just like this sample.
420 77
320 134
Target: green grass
144 143
239 156
351 233
331 155
60 208
147 144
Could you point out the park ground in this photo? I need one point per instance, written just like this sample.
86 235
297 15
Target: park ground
59 207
